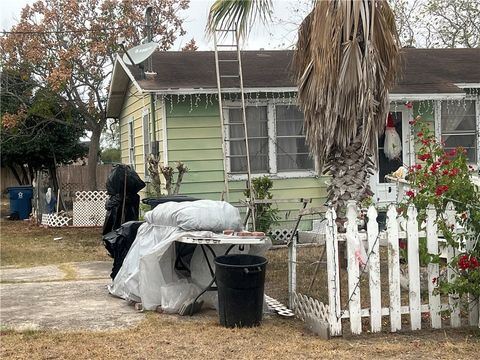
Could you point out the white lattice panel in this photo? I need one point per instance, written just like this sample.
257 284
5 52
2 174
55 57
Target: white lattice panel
304 305
278 307
281 234
89 208
54 220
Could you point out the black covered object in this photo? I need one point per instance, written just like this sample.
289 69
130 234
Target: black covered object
154 201
119 241
123 203
116 180
240 281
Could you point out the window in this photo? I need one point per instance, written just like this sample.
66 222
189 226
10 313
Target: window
292 152
257 128
275 139
131 143
458 126
146 140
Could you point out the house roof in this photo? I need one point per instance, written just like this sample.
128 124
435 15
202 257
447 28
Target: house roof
424 71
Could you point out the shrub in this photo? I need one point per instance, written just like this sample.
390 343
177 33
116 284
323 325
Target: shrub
442 177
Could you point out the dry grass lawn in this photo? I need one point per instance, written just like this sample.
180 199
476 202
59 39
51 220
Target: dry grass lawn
163 336
24 244
172 337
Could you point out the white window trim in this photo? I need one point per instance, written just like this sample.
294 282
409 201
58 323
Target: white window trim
131 142
146 142
164 131
477 109
438 122
272 151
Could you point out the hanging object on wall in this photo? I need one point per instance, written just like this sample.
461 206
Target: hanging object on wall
393 144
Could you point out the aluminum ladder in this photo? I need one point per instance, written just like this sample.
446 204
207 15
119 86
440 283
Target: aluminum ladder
228 40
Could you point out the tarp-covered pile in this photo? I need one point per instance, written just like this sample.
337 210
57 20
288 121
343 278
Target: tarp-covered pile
148 273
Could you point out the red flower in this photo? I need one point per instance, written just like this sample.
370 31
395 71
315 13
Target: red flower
414 167
402 244
425 141
434 280
468 262
445 172
410 193
446 162
408 105
452 152
454 171
463 262
420 134
441 189
424 157
434 167
412 122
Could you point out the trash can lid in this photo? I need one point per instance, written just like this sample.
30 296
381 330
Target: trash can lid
20 187
240 260
164 199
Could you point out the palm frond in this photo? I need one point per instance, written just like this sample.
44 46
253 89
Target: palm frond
237 15
344 65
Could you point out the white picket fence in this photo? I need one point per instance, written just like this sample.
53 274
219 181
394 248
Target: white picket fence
396 228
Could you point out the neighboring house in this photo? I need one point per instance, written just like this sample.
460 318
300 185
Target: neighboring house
440 84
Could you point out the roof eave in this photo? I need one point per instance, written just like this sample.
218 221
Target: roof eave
118 88
191 91
426 96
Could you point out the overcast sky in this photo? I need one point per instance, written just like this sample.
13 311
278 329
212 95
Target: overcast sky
275 36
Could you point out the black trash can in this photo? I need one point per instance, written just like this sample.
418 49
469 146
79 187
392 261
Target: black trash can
240 281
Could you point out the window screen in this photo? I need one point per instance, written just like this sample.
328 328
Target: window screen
292 152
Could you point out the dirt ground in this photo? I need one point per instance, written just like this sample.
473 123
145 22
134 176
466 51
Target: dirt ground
56 306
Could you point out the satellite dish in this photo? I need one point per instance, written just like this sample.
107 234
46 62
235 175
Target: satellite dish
140 53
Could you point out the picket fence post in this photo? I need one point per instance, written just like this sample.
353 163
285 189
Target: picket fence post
433 269
453 300
393 269
374 271
353 256
333 274
473 304
413 269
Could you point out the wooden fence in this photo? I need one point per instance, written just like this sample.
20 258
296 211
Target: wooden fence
396 228
71 177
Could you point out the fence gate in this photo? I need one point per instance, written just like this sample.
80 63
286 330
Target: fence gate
380 308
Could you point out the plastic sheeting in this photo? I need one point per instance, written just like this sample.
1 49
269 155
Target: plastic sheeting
148 272
118 243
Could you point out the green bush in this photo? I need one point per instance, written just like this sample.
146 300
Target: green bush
265 214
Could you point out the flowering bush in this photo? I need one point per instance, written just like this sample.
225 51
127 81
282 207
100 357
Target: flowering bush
439 178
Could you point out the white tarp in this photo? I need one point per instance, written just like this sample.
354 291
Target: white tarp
148 274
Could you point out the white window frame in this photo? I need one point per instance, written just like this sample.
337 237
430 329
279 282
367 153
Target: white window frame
131 142
438 122
272 150
146 141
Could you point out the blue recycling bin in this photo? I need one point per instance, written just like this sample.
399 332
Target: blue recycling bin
20 200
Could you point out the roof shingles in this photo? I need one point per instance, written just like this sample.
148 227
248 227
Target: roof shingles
422 71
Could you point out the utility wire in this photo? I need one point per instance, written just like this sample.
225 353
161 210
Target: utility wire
33 32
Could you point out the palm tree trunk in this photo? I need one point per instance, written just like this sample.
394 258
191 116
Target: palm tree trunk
350 171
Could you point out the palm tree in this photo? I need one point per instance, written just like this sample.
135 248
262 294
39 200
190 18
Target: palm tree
345 62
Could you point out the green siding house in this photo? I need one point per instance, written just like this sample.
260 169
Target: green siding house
172 110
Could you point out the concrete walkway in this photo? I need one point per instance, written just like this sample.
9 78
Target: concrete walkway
71 296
